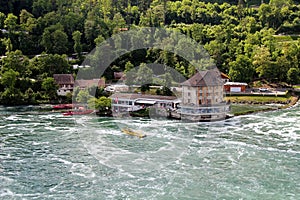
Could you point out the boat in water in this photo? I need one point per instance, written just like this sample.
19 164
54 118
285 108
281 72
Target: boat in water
129 131
63 106
80 112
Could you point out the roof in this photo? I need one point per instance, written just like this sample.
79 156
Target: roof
62 79
90 83
235 83
204 78
133 96
118 75
224 76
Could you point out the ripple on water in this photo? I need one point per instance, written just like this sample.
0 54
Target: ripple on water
247 157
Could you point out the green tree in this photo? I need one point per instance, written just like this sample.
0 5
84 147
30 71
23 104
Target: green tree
55 40
167 84
128 66
103 103
41 7
30 96
17 61
77 44
73 21
119 22
9 78
83 96
2 19
144 74
99 40
293 76
11 96
50 86
11 23
241 70
262 61
8 44
130 77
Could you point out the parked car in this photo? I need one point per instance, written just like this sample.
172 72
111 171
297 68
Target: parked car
263 89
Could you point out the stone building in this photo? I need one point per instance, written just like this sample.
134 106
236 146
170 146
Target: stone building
203 97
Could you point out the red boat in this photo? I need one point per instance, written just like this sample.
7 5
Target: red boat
80 112
63 106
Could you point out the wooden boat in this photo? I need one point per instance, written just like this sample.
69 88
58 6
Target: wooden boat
133 133
81 112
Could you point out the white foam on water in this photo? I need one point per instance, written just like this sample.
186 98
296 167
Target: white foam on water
34 143
82 170
176 159
53 189
51 128
66 162
6 180
4 192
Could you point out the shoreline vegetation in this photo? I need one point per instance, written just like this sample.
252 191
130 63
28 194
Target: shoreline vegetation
240 105
243 105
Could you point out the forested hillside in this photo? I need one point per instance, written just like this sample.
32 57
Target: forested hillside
247 39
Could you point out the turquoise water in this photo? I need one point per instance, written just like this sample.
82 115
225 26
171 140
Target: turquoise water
49 156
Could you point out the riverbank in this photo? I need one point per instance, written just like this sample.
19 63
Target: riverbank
242 105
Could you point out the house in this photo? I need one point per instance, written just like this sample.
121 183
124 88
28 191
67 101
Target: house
203 97
65 83
235 87
83 84
119 76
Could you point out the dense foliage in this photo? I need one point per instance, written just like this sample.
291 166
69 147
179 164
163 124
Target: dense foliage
247 39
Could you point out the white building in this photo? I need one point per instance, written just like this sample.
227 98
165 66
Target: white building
127 102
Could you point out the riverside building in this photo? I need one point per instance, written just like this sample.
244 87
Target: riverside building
203 97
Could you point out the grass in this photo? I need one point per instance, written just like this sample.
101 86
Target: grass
259 103
242 109
258 99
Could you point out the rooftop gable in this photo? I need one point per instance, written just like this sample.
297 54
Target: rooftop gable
63 79
204 78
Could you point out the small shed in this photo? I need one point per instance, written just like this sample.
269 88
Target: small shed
235 87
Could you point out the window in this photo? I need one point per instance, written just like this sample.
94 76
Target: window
189 101
189 94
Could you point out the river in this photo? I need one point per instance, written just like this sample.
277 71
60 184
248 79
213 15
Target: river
50 156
